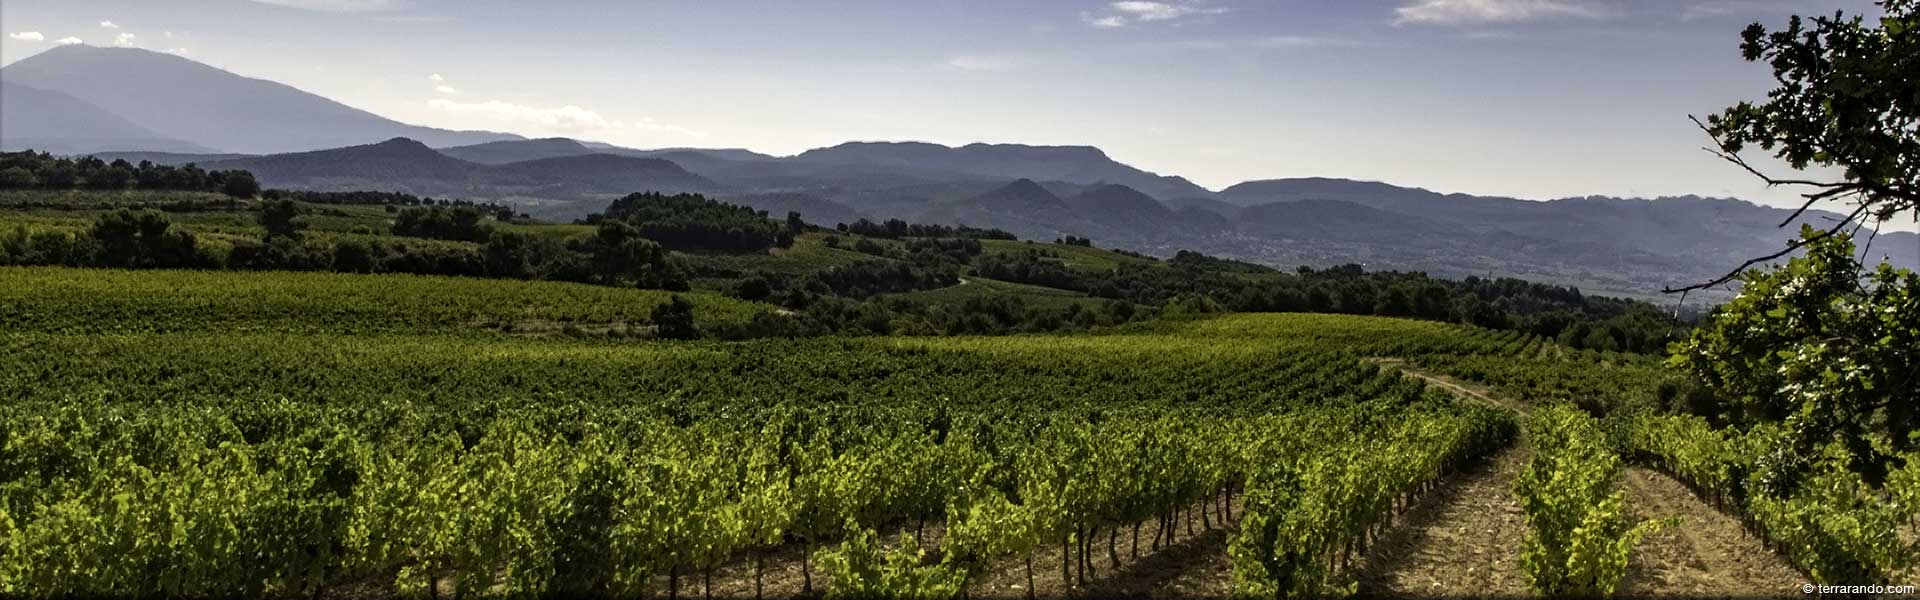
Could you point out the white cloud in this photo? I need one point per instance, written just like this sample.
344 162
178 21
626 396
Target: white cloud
565 118
1728 8
436 78
647 123
1458 12
27 36
124 40
1152 11
446 89
985 63
176 51
338 5
1272 42
68 41
1125 12
109 25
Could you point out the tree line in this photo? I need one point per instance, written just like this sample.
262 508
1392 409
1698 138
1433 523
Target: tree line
897 229
30 170
692 222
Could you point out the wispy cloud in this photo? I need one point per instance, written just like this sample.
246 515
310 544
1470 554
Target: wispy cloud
648 124
567 119
176 51
109 25
124 40
1477 12
1710 9
1271 42
986 63
446 89
68 41
27 36
1128 12
436 78
339 5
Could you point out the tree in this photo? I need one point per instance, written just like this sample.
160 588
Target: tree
17 178
354 256
618 254
1849 98
142 239
240 184
674 320
281 218
1820 346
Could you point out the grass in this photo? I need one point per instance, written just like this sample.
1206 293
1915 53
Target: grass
101 199
53 299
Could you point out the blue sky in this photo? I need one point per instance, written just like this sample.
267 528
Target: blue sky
1529 98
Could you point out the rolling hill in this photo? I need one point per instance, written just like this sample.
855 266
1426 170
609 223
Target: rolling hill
1078 164
404 165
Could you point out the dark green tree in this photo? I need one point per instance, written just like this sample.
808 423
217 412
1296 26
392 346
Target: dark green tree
140 239
1849 99
674 320
240 184
1821 346
281 219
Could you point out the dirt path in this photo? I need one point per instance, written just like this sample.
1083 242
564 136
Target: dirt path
1465 540
1460 540
1707 554
1457 387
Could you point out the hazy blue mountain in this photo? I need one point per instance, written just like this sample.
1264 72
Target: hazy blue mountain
710 163
1118 208
1217 207
507 151
1024 207
168 158
37 119
395 160
733 154
597 175
1076 164
181 99
404 165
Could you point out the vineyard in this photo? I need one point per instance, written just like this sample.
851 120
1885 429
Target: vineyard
159 437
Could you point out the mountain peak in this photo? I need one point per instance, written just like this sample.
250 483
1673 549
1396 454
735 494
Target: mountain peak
401 142
1024 187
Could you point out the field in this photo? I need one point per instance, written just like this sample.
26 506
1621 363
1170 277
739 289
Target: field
160 424
61 300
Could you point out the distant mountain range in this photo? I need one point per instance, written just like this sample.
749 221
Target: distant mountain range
72 100
404 165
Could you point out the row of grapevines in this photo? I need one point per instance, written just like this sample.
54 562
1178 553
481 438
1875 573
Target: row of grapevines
1578 533
1832 524
1321 483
